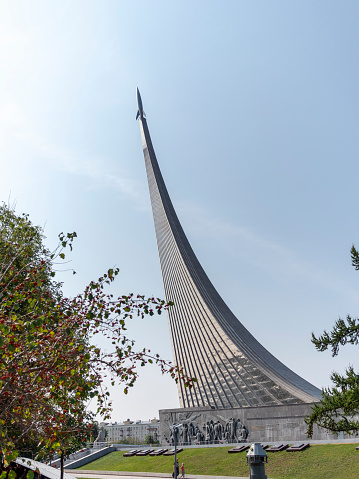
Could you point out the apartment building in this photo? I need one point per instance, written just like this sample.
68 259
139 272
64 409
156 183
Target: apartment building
136 430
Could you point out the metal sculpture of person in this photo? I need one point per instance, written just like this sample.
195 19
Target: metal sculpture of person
198 435
217 431
244 433
225 435
192 430
184 433
206 431
230 430
211 431
238 433
234 430
239 425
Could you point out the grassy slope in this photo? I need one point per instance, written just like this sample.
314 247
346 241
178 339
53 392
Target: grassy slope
329 461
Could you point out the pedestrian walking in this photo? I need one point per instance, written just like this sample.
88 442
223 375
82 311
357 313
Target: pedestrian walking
175 473
182 470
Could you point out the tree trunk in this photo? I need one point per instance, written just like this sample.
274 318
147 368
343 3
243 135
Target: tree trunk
62 465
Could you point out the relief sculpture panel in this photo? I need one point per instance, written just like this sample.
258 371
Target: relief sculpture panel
203 428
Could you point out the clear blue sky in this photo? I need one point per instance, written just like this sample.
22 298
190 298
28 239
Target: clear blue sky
253 111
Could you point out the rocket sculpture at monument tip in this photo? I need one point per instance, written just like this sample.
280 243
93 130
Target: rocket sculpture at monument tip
232 368
140 112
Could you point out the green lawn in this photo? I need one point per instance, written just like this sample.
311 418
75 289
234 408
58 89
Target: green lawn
328 461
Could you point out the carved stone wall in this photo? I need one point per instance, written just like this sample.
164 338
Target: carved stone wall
220 426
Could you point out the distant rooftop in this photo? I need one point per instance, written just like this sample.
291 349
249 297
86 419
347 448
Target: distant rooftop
129 421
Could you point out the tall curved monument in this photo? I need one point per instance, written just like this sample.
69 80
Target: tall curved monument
232 368
243 392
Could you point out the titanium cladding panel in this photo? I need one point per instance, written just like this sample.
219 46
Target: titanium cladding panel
232 368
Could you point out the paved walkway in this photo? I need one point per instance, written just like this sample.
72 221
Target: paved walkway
82 474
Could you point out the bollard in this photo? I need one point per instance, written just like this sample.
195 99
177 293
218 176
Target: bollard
257 458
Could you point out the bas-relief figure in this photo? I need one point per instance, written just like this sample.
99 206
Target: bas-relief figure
209 431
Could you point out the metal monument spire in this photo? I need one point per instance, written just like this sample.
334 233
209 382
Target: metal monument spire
232 368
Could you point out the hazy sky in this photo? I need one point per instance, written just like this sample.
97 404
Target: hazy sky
253 111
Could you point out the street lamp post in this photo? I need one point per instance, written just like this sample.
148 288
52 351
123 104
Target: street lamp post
174 428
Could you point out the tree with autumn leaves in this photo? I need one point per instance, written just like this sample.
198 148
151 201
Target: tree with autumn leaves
50 367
